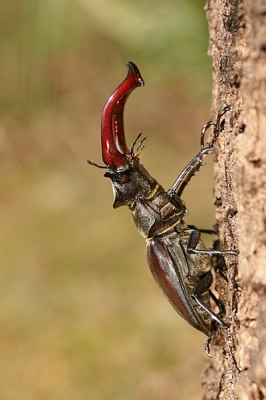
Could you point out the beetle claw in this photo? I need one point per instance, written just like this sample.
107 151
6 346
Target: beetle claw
207 348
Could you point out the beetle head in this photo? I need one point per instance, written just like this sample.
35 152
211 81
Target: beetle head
129 183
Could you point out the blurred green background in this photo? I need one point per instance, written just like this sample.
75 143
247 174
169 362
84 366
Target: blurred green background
81 317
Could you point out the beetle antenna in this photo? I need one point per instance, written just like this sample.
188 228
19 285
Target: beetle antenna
134 144
96 165
139 147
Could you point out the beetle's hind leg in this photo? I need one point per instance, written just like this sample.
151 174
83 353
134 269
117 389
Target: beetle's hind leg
197 292
219 304
202 287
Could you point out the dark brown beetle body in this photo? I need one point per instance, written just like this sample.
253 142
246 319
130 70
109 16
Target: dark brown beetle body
167 236
177 257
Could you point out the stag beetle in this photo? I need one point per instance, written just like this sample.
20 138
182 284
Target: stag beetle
177 257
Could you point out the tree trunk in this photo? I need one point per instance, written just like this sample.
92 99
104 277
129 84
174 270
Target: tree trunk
238 50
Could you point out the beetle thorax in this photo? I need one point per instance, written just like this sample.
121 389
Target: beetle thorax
155 214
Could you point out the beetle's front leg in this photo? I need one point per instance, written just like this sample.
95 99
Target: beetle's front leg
194 240
195 164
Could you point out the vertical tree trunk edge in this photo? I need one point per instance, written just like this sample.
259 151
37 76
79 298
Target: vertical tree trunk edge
238 50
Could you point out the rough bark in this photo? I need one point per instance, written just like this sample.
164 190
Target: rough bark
238 50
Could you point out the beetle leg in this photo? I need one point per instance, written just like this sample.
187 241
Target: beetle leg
207 347
195 164
192 244
207 231
187 173
219 303
200 289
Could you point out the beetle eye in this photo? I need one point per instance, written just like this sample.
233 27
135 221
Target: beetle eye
122 178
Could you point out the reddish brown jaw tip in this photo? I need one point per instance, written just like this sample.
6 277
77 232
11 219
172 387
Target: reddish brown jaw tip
114 148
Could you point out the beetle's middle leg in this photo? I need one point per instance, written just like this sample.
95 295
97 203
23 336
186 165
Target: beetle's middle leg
194 240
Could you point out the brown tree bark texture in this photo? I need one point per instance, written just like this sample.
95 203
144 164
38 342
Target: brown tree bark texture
238 50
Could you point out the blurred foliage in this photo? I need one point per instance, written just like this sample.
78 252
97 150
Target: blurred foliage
81 317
